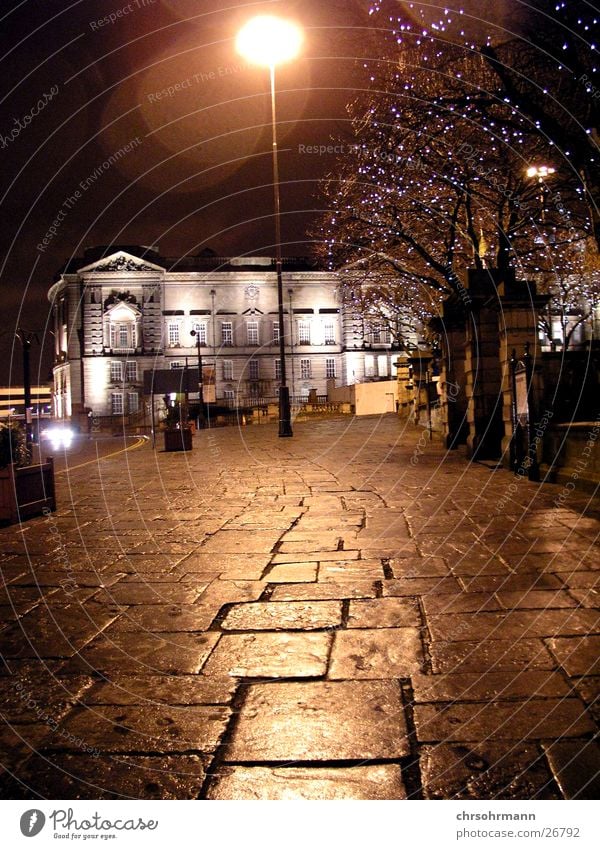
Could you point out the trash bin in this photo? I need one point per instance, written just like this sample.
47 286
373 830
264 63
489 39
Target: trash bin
178 439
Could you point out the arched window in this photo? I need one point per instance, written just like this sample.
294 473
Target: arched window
122 327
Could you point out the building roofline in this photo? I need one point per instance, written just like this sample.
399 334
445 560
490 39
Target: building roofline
207 260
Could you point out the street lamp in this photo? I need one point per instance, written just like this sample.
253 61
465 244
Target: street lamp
201 419
540 171
269 41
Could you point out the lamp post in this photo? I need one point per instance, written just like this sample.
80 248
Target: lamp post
270 41
26 338
541 172
201 418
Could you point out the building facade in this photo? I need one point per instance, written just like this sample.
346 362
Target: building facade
123 311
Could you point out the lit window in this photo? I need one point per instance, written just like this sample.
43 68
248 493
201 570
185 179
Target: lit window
133 402
227 370
173 334
227 333
121 336
305 370
304 332
252 330
329 334
121 328
116 403
116 372
253 369
131 371
330 367
277 369
275 331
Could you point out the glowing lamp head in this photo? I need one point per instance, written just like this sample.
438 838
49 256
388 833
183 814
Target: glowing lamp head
540 171
269 41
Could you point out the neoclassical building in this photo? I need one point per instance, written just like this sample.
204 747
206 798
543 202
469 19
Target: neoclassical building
122 311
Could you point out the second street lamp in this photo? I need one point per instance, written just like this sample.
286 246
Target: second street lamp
269 41
201 416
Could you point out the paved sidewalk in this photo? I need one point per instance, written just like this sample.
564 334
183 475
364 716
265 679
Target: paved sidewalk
351 613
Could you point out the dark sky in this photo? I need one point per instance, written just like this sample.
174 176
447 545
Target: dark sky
194 166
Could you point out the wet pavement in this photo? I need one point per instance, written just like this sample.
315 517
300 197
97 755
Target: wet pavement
351 613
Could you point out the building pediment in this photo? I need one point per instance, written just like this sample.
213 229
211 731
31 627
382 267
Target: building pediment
122 310
121 262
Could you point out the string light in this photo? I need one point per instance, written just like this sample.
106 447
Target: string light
442 180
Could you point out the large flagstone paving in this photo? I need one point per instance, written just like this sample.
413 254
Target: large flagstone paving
306 618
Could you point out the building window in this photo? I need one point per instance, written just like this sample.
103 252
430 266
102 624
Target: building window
369 365
200 334
116 403
376 334
131 371
276 332
277 369
227 370
173 334
120 326
116 372
252 332
382 366
176 364
227 333
253 369
133 402
229 397
329 367
305 371
329 334
304 332
122 335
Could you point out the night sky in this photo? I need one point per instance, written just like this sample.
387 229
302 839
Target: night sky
161 89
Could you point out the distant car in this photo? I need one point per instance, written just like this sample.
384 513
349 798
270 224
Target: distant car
60 436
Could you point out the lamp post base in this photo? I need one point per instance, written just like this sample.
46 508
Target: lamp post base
285 412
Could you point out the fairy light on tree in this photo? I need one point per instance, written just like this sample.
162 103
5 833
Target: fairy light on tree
437 183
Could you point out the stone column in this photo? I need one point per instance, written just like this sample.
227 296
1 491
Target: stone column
482 366
518 319
405 385
490 314
453 398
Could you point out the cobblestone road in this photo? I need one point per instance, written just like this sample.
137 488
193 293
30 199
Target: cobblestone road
350 613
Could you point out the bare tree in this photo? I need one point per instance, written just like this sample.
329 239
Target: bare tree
551 74
574 289
435 181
